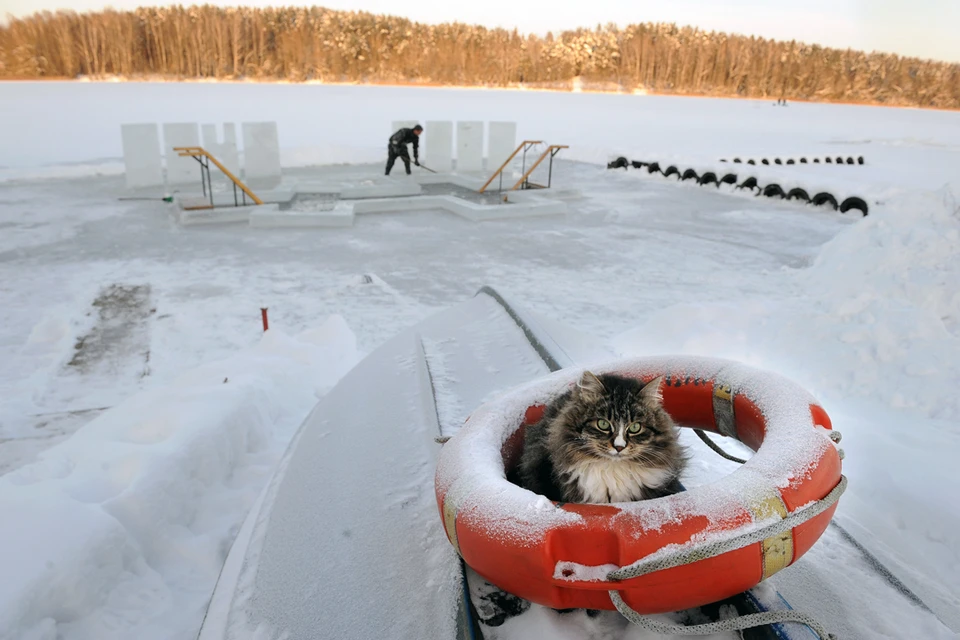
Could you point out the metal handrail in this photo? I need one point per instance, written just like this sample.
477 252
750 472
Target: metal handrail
522 147
552 150
198 152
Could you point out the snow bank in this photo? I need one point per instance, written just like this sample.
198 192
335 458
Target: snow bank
892 288
908 255
121 530
878 317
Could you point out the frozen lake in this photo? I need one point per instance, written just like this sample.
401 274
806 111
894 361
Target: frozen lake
333 124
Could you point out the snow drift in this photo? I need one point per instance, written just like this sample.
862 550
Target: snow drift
877 318
873 332
129 520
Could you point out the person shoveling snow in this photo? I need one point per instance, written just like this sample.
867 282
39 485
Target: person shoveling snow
397 147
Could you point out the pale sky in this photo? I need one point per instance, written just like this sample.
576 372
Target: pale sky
922 28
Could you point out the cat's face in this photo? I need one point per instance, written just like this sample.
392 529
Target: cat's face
616 418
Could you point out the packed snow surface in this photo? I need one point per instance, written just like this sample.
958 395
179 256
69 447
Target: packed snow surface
142 410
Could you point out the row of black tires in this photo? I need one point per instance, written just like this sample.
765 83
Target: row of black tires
828 160
772 190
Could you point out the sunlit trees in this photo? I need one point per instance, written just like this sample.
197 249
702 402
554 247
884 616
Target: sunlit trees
299 44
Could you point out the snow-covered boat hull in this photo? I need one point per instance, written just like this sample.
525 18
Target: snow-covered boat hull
344 541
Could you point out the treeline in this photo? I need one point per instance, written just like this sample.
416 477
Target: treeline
301 44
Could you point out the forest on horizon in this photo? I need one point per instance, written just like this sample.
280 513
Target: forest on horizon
323 45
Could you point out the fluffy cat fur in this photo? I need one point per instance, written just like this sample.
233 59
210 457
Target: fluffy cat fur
606 440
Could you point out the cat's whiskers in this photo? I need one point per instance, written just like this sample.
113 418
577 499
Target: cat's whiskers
654 458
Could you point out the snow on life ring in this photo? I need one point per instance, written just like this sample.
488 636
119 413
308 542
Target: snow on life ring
560 555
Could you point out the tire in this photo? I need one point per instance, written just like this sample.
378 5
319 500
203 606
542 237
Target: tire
653 167
708 178
823 198
690 174
854 202
798 194
773 191
671 171
730 178
749 183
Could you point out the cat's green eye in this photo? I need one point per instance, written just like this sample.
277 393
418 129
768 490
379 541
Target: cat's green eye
634 428
603 425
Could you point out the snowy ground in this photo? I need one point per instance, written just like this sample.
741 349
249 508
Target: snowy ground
108 304
204 287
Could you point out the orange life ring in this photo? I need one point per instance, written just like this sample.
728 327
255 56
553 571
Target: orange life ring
558 555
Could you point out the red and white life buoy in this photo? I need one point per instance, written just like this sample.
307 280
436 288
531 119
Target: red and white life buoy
561 555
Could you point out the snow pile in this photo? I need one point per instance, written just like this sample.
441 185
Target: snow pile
893 294
121 530
872 332
908 253
892 288
877 315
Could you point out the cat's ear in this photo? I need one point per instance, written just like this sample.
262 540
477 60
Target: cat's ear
651 394
590 386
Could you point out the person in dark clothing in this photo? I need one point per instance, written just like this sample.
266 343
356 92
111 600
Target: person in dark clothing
397 147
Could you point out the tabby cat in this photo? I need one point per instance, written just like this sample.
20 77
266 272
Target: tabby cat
606 440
